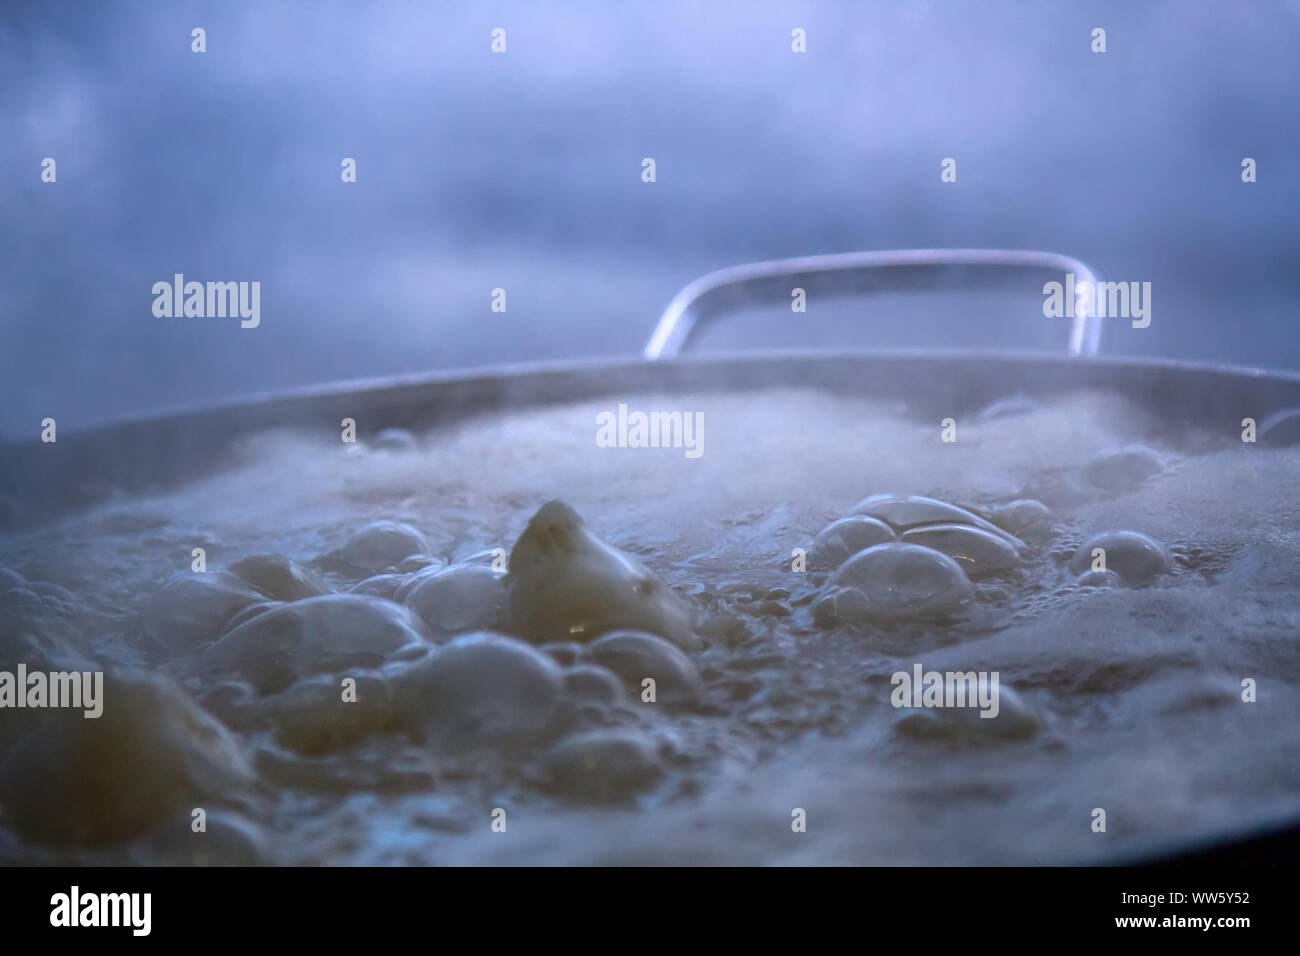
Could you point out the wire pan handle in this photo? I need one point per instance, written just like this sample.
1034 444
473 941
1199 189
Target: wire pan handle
712 296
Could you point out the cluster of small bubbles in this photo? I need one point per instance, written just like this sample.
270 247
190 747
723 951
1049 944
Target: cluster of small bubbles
917 559
1017 546
909 511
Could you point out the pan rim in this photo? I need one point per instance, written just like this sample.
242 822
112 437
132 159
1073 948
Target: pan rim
523 371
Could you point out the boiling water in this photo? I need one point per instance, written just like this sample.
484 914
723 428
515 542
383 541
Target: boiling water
773 739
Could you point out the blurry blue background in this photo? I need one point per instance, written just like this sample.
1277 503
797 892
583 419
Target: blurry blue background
523 171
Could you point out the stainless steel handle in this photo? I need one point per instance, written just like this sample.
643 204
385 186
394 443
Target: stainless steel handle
717 293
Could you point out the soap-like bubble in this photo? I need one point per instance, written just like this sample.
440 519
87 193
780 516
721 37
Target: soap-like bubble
565 653
248 613
1027 519
381 585
894 581
589 683
233 702
1099 579
11 579
192 609
1136 558
316 716
908 511
379 545
328 633
603 766
635 656
480 688
976 550
842 539
466 597
278 577
228 839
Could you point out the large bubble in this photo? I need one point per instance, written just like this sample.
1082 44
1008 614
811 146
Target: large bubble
320 634
894 581
602 766
378 546
1136 558
842 539
466 597
193 609
976 550
480 688
635 656
1026 518
278 577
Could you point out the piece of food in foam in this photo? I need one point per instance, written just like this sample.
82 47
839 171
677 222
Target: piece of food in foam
565 584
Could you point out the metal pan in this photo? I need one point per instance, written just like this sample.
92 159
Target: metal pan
39 481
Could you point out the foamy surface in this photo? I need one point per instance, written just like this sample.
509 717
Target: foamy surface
1133 696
